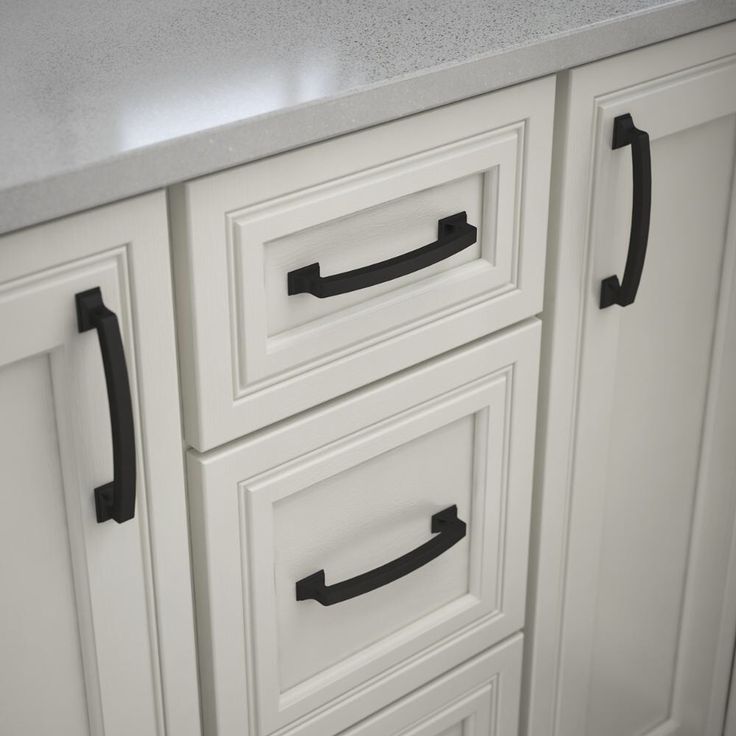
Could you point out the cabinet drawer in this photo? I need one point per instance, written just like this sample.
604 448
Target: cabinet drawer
349 488
480 698
374 202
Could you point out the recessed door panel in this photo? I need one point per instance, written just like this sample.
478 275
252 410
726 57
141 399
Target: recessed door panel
40 645
359 519
658 420
638 468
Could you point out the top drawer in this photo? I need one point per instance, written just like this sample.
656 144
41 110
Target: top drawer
358 221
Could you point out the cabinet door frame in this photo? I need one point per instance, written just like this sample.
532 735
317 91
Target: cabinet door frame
570 284
134 234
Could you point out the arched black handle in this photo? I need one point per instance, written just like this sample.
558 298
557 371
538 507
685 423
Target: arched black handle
625 133
445 524
115 500
453 235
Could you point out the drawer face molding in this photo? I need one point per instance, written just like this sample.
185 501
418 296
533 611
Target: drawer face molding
253 354
400 205
352 508
480 698
350 505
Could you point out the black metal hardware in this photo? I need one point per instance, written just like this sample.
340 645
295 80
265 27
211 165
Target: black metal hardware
445 524
625 133
453 235
115 500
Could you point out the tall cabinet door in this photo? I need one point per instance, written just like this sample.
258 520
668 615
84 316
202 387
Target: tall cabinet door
635 610
96 633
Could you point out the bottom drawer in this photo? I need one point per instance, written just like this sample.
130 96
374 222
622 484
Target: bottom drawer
355 553
480 698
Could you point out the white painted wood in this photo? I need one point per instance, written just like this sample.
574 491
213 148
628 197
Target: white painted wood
96 624
730 727
479 698
633 609
349 486
252 355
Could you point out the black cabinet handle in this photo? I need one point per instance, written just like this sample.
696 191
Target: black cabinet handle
625 133
115 500
445 524
453 235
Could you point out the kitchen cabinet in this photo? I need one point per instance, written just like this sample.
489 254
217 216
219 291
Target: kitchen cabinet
96 625
389 534
408 493
633 588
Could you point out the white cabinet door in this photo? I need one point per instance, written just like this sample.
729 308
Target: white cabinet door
635 606
96 630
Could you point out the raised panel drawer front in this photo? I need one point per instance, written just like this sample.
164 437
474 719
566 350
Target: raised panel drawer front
480 698
353 489
304 276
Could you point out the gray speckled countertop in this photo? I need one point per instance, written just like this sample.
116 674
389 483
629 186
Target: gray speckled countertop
103 100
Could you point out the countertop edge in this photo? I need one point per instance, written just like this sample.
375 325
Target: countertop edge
180 159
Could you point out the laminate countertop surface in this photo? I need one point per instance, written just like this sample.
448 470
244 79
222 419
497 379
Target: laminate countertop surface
103 100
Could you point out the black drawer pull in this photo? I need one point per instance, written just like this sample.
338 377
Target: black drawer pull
115 500
625 133
453 235
445 524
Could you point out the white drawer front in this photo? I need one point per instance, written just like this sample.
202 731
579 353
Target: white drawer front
254 353
348 489
480 698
